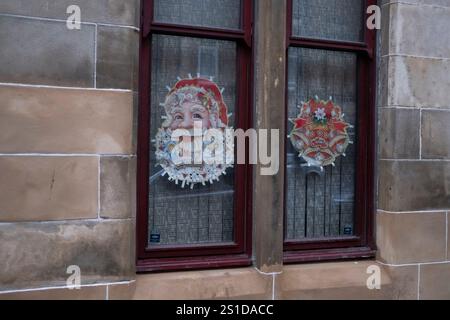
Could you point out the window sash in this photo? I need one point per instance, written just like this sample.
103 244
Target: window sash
334 248
174 257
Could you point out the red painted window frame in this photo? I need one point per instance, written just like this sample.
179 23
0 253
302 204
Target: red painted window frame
235 254
362 245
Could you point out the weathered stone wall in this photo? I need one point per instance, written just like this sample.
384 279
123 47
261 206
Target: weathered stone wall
414 141
67 153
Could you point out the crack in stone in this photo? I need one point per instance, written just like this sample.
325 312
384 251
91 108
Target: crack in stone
52 183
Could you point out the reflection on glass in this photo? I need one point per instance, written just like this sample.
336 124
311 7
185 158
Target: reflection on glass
225 14
329 19
205 214
320 204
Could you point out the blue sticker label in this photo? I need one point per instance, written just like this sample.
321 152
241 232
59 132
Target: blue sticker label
348 231
155 238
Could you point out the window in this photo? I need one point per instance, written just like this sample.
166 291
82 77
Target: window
195 65
330 149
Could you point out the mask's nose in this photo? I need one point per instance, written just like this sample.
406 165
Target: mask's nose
187 122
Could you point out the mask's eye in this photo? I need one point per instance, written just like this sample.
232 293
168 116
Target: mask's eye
197 116
178 117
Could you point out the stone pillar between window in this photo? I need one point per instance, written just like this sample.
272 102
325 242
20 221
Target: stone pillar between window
269 88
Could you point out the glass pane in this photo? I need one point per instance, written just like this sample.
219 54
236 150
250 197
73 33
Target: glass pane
204 214
320 200
224 14
329 19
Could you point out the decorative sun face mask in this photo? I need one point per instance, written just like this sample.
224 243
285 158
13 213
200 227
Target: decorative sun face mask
320 132
196 106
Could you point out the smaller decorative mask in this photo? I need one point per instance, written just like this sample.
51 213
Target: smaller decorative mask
320 132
